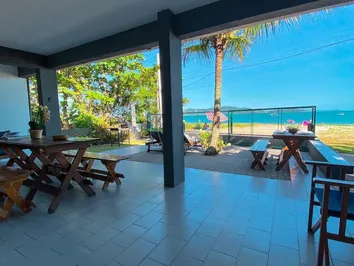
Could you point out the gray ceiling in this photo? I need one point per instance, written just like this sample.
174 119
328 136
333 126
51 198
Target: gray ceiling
49 26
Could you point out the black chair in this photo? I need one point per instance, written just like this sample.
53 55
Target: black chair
157 140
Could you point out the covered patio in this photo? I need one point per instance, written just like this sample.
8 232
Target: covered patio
161 214
92 36
212 218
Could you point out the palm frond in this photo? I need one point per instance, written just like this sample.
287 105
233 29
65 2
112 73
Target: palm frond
236 46
266 29
200 48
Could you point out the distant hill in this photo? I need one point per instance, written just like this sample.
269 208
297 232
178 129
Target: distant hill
223 108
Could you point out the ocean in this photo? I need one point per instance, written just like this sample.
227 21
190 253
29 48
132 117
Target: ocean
322 117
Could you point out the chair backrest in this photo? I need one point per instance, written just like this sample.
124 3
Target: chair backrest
156 135
187 140
160 134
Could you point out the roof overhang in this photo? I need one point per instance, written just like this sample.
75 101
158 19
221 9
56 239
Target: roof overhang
204 20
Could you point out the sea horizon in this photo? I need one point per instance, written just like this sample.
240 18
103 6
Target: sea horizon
340 117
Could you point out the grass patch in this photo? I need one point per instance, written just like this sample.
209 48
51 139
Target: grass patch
338 137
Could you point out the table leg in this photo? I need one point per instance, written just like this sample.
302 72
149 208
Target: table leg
89 165
29 163
288 152
258 156
71 174
37 153
13 158
110 166
286 158
36 183
10 162
299 160
292 150
15 197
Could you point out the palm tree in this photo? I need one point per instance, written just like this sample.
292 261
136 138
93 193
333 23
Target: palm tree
231 44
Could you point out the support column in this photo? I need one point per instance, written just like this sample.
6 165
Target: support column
171 89
48 95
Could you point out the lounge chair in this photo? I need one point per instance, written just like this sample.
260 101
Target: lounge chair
156 141
190 141
157 137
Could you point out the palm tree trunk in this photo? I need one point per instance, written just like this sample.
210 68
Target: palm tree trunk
217 99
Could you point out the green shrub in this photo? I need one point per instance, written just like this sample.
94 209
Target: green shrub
141 119
205 137
220 145
198 125
90 121
144 132
98 125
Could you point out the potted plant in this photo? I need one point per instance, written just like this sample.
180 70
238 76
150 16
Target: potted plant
40 117
292 127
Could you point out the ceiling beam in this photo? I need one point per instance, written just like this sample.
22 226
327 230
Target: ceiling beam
9 56
227 14
25 72
211 18
130 41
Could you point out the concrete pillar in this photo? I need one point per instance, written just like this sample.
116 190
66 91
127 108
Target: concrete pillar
48 95
171 89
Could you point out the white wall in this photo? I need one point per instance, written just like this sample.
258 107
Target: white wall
14 106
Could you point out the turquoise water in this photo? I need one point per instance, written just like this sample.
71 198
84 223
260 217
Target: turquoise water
322 117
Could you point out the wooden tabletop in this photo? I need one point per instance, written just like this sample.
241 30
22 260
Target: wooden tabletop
299 135
45 142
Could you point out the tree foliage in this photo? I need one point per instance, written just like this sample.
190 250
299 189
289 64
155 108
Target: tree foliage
106 89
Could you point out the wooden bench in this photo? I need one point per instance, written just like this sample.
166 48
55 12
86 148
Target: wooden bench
10 183
330 162
260 153
109 161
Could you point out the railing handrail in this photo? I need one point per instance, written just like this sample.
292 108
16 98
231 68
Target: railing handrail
281 110
254 109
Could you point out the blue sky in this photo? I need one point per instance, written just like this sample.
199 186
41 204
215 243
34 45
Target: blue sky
324 78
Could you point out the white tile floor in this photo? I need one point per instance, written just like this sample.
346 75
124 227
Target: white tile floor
212 219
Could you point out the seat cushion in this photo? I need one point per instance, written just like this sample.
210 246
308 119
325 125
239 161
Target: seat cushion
335 202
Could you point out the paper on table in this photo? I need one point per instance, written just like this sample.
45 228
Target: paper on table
12 135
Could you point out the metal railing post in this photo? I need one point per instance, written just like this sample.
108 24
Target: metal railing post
281 118
232 123
252 123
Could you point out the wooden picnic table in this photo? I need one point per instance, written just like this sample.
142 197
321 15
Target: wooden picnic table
46 159
292 144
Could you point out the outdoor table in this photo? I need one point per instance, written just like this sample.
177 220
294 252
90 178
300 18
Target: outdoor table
52 162
292 144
